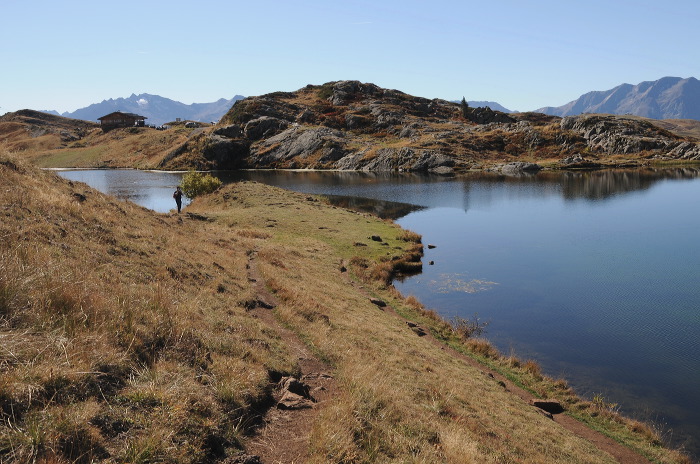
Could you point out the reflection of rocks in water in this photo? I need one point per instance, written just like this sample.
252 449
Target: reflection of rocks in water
593 185
383 209
603 184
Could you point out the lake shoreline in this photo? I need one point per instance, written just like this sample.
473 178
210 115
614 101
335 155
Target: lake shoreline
205 211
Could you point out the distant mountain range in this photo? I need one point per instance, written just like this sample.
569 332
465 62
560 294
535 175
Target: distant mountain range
158 110
666 98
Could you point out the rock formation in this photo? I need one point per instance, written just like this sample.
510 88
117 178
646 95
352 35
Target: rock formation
349 125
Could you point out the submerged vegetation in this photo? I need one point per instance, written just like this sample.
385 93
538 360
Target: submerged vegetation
129 336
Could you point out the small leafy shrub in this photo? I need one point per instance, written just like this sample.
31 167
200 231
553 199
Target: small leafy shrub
467 328
326 91
195 183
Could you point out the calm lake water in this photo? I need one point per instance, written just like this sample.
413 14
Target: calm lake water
593 275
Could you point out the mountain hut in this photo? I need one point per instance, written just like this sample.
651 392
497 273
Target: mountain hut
119 119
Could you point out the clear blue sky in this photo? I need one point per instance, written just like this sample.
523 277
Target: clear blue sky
65 55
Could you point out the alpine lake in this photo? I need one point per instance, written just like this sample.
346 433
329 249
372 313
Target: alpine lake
594 275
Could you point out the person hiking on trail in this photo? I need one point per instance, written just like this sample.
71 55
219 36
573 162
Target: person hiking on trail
177 195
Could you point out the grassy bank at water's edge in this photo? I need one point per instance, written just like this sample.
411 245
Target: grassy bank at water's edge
127 336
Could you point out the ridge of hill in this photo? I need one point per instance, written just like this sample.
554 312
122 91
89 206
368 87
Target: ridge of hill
491 104
158 110
666 98
56 141
29 130
134 336
355 126
348 125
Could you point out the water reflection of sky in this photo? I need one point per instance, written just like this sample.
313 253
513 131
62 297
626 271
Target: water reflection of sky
600 290
475 191
152 190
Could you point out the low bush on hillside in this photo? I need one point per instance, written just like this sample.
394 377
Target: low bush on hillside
195 184
467 328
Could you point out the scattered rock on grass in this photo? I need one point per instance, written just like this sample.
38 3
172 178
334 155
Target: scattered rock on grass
418 330
550 406
295 394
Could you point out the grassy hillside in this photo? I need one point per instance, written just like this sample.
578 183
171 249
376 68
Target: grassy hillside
685 127
131 336
54 141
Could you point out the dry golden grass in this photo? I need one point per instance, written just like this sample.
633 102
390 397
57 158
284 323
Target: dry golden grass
143 148
125 337
403 398
124 332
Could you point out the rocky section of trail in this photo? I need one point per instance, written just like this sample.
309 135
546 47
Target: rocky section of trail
283 433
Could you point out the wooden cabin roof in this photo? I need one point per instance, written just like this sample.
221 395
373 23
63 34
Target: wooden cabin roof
121 114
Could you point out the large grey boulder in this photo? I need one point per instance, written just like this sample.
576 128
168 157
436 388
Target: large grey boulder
343 92
519 168
295 394
296 142
684 151
404 159
577 161
264 126
225 153
614 135
346 91
232 131
351 161
485 115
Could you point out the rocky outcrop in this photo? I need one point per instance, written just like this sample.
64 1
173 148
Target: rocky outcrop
514 169
485 115
687 151
214 152
349 125
623 136
264 126
297 142
577 161
233 131
614 136
346 91
225 153
404 159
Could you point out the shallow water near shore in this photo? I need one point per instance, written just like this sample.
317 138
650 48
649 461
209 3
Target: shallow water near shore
593 275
